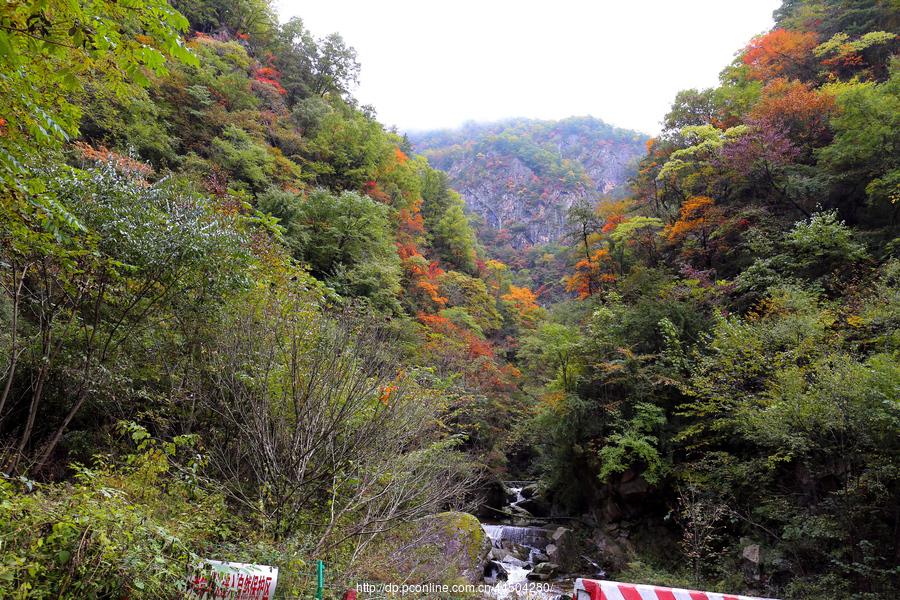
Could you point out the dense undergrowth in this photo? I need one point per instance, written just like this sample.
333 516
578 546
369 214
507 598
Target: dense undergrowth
241 319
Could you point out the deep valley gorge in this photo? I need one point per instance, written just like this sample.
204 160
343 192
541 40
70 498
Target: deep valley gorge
256 343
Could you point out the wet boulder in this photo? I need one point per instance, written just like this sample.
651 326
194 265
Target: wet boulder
562 548
530 491
515 550
495 571
543 571
535 505
498 554
512 561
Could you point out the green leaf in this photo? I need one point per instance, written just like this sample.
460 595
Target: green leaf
7 51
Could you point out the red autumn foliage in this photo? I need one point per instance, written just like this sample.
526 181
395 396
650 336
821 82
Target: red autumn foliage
268 73
781 53
270 76
406 250
120 162
458 350
373 191
410 219
611 223
216 183
434 270
796 109
475 347
422 290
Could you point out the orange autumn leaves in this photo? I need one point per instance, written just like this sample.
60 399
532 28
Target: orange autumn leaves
422 275
457 350
459 312
596 267
798 110
697 215
390 390
791 54
590 274
122 163
781 53
524 301
696 230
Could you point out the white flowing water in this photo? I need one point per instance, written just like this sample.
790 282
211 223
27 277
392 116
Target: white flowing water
534 540
517 491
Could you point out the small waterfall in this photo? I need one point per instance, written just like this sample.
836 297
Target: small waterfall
517 549
532 537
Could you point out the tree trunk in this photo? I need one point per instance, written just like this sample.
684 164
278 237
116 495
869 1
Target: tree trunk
32 410
54 441
13 353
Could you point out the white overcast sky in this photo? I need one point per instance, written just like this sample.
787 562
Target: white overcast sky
429 64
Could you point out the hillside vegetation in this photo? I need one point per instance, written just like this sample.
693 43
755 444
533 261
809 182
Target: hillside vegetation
240 319
520 177
729 380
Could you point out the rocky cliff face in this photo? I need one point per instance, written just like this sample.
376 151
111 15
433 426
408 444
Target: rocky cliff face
521 176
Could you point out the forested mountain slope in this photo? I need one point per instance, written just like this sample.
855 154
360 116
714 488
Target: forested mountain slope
235 307
728 380
241 319
521 176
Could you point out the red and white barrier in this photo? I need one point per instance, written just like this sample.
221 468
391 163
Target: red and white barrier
592 589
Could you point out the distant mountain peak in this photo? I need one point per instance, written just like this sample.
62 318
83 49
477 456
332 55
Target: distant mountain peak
520 176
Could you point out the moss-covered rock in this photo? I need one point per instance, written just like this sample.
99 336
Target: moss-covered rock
466 542
449 547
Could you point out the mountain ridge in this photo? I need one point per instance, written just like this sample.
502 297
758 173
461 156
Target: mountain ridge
519 176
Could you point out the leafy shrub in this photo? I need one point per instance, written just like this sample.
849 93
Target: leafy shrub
115 530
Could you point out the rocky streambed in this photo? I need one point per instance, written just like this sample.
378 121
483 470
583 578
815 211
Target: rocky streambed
528 558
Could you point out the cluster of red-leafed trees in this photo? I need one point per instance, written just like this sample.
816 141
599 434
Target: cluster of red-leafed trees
730 317
235 274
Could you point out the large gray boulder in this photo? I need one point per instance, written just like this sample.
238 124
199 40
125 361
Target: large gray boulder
612 553
563 548
447 548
